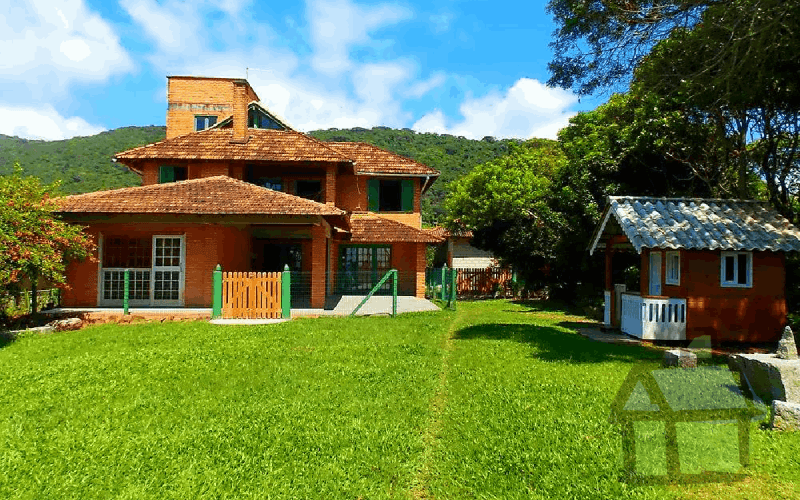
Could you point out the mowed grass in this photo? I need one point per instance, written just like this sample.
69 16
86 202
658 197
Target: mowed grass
495 400
322 408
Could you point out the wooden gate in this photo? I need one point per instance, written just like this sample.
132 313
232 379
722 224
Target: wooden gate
251 295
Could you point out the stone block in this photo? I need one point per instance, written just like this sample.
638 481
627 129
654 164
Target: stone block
63 325
787 349
681 358
785 416
770 377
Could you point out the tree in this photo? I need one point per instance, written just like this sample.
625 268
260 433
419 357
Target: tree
598 44
36 244
506 203
752 104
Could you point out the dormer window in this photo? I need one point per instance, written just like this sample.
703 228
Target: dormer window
258 119
202 122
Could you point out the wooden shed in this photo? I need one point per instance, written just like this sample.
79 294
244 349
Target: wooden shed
707 267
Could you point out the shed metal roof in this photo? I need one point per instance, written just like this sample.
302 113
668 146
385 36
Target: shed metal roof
697 223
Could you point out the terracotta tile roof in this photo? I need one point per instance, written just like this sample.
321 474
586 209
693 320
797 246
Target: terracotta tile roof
373 160
694 223
371 228
207 196
215 144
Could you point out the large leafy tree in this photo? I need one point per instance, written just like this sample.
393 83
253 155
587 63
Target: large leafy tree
36 244
598 43
506 203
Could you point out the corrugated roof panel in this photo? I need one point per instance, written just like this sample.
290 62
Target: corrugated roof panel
703 224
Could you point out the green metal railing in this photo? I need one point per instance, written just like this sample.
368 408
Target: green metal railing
391 273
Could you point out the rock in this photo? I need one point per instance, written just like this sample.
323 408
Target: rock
770 377
63 325
785 416
681 358
787 349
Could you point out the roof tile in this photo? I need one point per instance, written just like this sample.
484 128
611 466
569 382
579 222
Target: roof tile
207 196
702 224
371 228
374 160
215 144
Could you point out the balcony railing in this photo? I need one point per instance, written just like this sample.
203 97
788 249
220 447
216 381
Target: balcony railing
651 318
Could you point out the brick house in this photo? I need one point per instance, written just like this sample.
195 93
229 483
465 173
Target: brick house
706 267
233 184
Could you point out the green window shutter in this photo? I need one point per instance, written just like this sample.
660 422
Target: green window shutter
407 194
166 174
373 195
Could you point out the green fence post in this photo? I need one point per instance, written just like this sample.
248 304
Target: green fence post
216 293
126 292
444 282
453 288
394 293
286 292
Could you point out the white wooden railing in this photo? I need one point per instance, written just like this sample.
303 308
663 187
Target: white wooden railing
653 318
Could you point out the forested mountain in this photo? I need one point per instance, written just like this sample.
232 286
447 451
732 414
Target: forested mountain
83 164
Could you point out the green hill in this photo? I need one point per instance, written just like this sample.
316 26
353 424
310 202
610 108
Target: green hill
83 164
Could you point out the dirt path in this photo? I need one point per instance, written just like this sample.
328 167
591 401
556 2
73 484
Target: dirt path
430 436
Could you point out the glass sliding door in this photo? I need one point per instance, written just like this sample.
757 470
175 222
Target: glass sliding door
156 265
167 270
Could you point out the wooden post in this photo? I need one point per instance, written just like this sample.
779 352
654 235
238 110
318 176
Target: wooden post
216 292
609 280
126 291
286 292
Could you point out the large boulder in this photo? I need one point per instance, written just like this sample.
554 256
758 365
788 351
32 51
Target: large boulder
770 377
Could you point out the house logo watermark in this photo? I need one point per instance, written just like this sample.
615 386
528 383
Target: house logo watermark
683 424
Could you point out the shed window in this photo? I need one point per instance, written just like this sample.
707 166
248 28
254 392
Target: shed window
390 195
167 173
202 122
736 269
673 276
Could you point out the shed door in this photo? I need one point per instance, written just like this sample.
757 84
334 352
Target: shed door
655 273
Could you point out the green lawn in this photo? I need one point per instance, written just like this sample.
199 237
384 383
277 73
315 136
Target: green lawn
495 400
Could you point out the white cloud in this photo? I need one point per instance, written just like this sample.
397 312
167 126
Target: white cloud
339 25
432 122
42 123
174 26
48 44
528 109
421 88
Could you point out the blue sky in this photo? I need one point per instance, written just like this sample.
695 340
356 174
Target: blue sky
471 68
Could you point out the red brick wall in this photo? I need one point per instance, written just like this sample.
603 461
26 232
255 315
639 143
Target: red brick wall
318 258
206 246
351 192
756 314
187 97
329 185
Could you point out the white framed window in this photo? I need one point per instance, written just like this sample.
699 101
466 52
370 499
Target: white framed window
673 274
736 269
